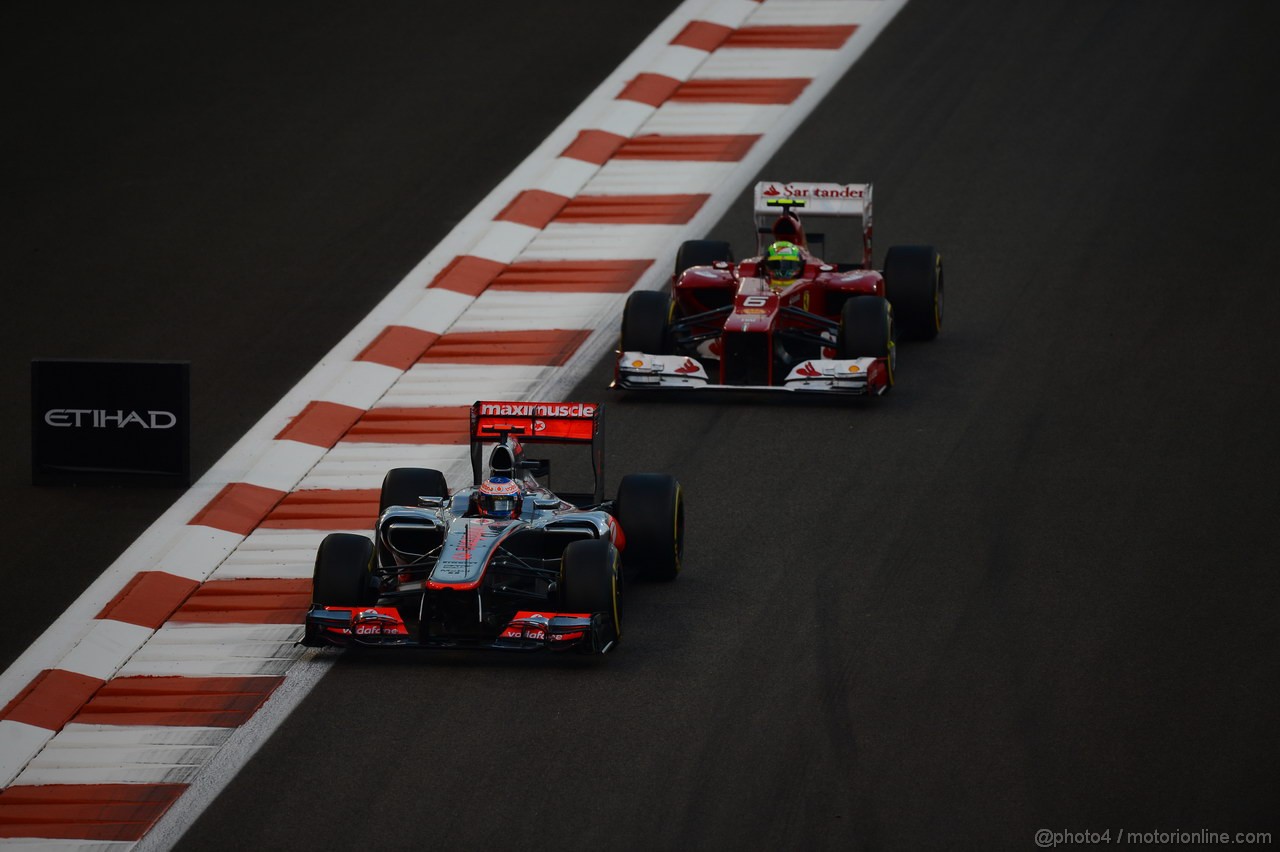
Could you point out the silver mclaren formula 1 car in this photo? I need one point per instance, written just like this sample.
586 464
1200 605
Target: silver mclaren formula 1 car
504 563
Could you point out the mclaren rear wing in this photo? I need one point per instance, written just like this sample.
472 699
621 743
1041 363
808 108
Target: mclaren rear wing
775 198
539 423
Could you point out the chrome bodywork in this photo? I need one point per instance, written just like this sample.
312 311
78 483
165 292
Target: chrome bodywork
420 547
440 574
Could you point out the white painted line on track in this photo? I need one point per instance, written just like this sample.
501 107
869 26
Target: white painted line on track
675 118
509 310
106 647
753 64
633 177
311 666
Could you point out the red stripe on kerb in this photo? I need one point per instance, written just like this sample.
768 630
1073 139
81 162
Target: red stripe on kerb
652 146
572 276
328 509
238 508
593 146
320 424
149 599
540 348
398 346
247 601
432 425
216 702
651 89
108 812
633 209
771 91
468 275
811 38
533 207
51 699
702 35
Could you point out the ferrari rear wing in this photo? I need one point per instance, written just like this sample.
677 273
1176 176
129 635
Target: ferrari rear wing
822 199
539 423
807 200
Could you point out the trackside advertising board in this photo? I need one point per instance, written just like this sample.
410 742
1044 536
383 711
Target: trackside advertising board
110 422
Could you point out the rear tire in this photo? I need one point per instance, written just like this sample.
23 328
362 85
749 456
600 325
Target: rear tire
650 510
866 331
341 576
590 582
402 486
645 322
913 283
702 253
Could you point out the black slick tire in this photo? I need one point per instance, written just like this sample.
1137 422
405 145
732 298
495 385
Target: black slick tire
650 510
402 486
341 576
645 322
702 253
590 581
913 283
866 331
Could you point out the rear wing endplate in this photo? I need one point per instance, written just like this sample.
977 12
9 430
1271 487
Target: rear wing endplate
539 423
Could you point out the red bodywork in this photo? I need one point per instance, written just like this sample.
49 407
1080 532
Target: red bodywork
758 310
829 330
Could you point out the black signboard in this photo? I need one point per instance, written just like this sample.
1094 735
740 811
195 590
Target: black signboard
110 422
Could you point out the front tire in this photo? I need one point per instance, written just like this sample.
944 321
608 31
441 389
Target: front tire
402 486
341 576
702 253
589 579
650 510
913 282
645 322
866 331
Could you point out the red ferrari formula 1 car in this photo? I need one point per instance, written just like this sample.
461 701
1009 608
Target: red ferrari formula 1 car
784 319
506 563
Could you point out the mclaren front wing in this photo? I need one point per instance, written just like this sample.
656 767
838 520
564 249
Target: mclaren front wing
383 627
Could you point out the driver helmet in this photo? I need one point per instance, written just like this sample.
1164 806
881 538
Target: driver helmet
499 498
783 264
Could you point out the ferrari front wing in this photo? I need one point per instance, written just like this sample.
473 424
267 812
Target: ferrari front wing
855 377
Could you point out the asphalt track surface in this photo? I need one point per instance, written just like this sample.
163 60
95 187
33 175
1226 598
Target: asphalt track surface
1032 588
